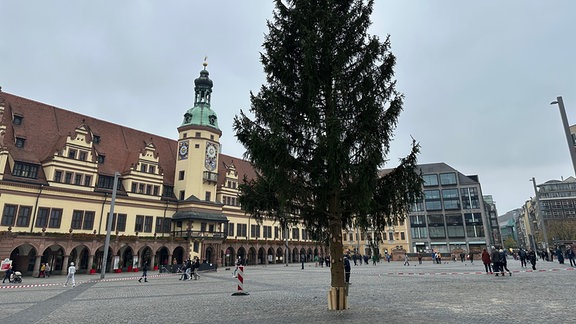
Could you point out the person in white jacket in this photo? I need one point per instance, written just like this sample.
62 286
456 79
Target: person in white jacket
71 272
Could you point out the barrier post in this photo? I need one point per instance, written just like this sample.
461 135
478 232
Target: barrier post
240 275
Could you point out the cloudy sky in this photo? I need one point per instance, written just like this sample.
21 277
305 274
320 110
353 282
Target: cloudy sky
478 76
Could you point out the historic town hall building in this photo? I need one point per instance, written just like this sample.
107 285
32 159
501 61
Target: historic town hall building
176 199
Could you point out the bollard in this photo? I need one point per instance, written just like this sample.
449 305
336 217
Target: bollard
240 275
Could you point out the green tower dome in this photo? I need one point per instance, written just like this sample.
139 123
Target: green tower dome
201 114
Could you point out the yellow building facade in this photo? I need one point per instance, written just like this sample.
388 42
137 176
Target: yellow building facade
176 198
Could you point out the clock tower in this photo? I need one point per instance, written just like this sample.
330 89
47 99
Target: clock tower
198 146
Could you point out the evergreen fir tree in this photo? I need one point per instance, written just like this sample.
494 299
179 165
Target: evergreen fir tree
322 126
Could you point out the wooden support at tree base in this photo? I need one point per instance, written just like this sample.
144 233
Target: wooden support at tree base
338 298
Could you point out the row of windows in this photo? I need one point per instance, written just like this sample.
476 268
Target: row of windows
448 199
446 179
143 188
147 168
232 201
241 230
79 179
20 216
384 236
231 184
441 232
25 170
77 154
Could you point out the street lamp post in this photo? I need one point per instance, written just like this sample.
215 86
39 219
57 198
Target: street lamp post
569 140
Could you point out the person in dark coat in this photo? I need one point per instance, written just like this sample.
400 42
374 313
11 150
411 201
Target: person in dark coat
144 272
495 257
532 259
503 262
486 260
347 269
7 274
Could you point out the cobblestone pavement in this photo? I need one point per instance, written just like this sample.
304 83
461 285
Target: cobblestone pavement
454 292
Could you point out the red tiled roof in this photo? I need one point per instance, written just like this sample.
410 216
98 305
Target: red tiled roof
45 129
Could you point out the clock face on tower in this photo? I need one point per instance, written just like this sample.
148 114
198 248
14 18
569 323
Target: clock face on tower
211 156
183 150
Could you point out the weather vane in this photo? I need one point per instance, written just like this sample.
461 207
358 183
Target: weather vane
205 64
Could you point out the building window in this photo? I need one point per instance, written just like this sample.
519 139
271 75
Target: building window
68 177
196 246
276 232
182 194
451 199
143 167
455 226
82 155
255 231
100 159
87 180
141 188
295 234
71 154
207 196
156 190
77 218
241 230
448 178
304 234
24 213
78 179
25 170
113 225
181 175
152 169
17 120
88 223
162 225
20 142
139 225
42 217
58 176
55 218
148 221
430 180
105 182
148 189
168 191
436 226
121 223
230 231
432 199
470 198
134 186
96 139
8 215
198 134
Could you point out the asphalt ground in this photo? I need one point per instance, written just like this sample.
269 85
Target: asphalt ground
452 292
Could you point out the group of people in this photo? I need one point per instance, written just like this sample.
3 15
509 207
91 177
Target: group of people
496 261
45 270
191 269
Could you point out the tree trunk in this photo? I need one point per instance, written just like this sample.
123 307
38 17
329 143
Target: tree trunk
338 295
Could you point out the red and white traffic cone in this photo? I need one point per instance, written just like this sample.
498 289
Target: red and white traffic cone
240 276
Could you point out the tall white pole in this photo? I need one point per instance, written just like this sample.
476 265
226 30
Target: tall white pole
109 227
569 140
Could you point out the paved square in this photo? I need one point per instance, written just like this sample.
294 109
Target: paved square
388 292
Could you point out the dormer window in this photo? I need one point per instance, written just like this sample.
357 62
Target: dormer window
20 142
152 169
17 120
100 159
82 155
96 139
71 154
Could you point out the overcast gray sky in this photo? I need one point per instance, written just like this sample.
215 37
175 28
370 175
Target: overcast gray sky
478 76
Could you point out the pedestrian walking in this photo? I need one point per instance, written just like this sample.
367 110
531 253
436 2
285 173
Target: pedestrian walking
302 259
47 270
495 257
486 260
195 268
503 262
570 256
7 274
406 260
522 254
144 272
70 276
42 273
532 259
